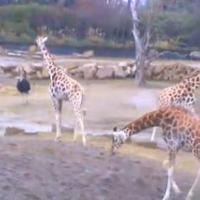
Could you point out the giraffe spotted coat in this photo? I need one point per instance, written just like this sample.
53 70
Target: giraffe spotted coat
181 94
63 88
179 127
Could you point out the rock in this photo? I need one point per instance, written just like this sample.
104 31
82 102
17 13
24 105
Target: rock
8 69
195 55
89 70
28 69
32 49
88 54
172 72
123 64
85 54
121 71
11 131
75 72
171 55
104 72
131 63
45 73
39 68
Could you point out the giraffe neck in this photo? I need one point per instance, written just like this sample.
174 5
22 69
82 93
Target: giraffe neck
48 60
148 120
193 82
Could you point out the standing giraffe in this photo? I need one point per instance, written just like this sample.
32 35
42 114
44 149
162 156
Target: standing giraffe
181 94
63 88
180 128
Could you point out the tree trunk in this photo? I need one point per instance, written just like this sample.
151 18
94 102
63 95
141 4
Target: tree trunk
139 45
140 71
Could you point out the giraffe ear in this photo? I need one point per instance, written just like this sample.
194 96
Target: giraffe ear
115 129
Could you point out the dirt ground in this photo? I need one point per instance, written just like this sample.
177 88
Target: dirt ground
35 168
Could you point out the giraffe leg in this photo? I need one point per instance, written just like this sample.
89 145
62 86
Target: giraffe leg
170 173
75 131
196 151
191 192
58 126
169 181
79 119
174 185
58 109
153 134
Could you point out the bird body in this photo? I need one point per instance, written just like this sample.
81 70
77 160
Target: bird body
23 86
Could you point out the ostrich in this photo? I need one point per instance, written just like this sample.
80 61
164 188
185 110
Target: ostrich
23 85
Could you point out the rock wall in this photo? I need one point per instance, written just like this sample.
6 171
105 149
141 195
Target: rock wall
172 72
96 71
120 70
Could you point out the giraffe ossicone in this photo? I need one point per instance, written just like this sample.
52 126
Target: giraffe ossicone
63 88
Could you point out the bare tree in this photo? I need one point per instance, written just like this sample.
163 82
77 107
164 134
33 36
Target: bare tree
142 35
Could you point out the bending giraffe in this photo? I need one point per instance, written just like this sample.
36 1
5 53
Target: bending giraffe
63 88
181 94
180 128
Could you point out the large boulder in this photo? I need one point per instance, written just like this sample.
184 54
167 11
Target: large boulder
28 69
45 73
75 72
85 54
195 55
88 54
8 69
39 69
32 50
172 72
104 72
12 131
121 71
89 70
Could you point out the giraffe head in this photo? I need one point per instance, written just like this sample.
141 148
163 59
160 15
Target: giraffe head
40 40
118 138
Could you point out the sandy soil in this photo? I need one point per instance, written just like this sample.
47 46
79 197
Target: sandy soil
32 168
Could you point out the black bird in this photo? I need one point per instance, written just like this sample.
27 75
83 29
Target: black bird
23 85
